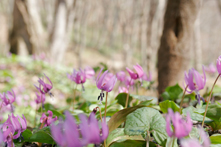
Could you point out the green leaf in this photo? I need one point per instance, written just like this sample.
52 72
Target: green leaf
121 99
194 114
146 119
169 142
145 98
215 139
118 134
165 105
130 143
26 135
118 118
216 125
58 114
213 112
172 92
91 94
43 136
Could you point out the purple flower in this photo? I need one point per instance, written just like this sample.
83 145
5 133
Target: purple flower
46 87
89 72
67 134
105 84
181 127
218 65
79 77
122 90
13 124
147 78
195 82
129 82
40 98
195 142
121 76
8 98
47 120
138 74
211 69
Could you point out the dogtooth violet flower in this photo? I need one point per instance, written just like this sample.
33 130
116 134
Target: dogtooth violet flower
46 87
211 69
129 82
8 98
105 83
195 82
11 125
67 133
47 120
136 75
121 76
181 127
89 72
122 90
40 98
195 142
79 77
218 65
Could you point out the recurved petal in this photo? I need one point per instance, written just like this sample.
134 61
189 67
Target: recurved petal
57 134
105 131
95 138
139 70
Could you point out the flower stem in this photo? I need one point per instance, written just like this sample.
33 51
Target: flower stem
105 106
99 112
148 139
181 103
209 99
173 141
35 115
74 96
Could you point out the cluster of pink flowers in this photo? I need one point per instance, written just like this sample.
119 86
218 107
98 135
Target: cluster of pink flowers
13 124
68 133
47 120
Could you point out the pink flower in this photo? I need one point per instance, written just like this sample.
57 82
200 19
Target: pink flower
138 74
67 134
122 90
121 76
79 77
181 127
47 120
89 72
129 82
8 98
46 87
195 82
40 98
218 65
11 125
211 69
195 142
105 84
147 78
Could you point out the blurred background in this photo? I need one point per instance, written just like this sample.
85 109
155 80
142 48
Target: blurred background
166 37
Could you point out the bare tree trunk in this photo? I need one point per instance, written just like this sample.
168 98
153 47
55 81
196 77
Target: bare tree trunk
173 53
20 31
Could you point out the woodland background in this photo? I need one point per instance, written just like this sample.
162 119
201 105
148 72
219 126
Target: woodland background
166 37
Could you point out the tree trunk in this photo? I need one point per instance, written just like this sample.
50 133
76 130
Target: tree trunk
173 53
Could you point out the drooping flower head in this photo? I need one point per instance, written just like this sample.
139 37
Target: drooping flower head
147 78
195 82
47 120
89 72
121 75
11 125
122 90
46 87
40 98
211 69
218 65
8 98
138 74
67 134
195 142
105 83
79 77
129 82
181 127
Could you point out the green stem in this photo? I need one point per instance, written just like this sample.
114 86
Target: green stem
148 139
173 141
74 96
209 99
105 106
181 103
